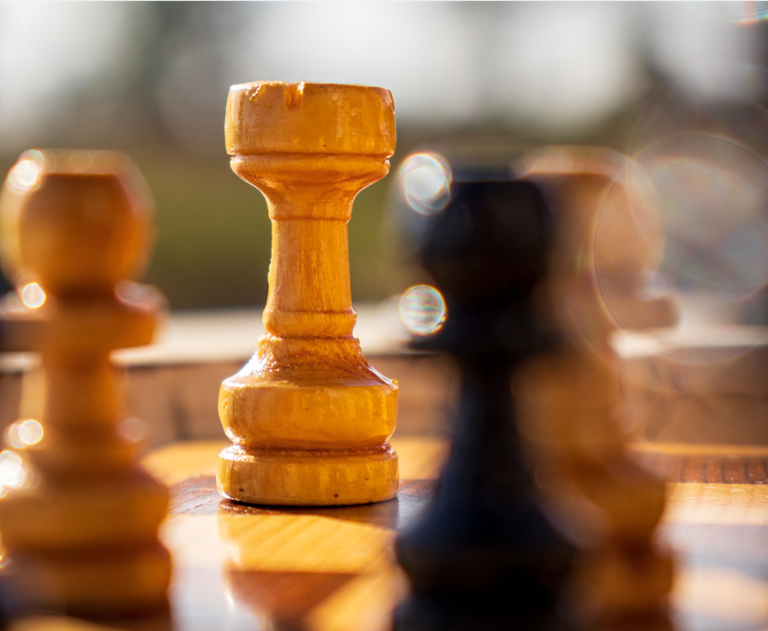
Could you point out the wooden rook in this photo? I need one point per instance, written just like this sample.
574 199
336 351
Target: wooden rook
607 239
310 418
485 556
79 517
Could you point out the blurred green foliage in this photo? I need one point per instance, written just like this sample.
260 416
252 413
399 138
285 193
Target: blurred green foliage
214 235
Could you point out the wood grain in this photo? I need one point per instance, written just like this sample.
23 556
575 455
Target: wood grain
717 468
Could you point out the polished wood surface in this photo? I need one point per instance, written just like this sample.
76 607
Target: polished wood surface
308 415
331 569
303 568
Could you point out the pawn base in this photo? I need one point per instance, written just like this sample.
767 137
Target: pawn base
110 582
308 478
467 612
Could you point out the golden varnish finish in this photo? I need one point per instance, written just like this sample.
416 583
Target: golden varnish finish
79 519
310 418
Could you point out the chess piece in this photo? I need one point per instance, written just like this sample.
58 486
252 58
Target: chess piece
606 240
485 556
310 418
79 517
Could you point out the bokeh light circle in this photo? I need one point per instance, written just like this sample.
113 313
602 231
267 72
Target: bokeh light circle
33 296
133 430
713 193
423 310
425 179
24 433
702 151
26 173
698 203
13 470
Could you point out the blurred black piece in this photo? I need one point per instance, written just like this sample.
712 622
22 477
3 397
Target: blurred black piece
485 556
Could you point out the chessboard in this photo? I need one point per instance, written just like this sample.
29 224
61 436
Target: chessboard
332 569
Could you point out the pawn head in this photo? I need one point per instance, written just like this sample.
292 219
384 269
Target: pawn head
484 236
76 222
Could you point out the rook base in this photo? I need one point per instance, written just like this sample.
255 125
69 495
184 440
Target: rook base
308 478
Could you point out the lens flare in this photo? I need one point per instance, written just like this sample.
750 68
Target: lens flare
713 201
132 430
708 194
26 174
24 433
32 295
422 310
703 147
425 179
736 11
13 470
137 294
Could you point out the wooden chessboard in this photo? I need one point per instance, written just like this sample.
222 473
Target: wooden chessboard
294 568
239 567
331 569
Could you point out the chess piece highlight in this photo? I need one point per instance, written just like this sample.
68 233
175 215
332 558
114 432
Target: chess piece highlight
310 418
79 516
607 238
485 556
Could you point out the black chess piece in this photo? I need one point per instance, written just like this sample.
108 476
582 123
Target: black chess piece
485 556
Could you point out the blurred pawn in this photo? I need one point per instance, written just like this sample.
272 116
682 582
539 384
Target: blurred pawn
485 555
607 242
79 517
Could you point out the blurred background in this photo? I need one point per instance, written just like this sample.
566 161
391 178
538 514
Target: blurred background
679 86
